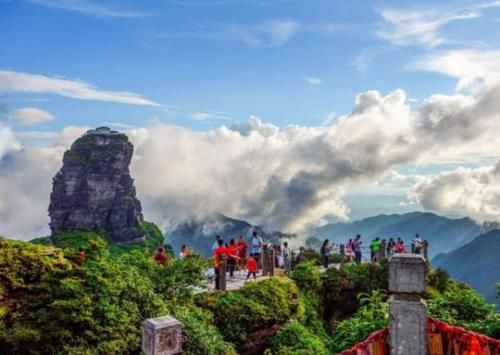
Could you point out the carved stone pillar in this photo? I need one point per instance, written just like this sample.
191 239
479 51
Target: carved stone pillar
162 336
408 312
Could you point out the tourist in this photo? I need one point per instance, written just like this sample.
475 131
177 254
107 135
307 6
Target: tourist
349 253
160 256
325 252
383 249
425 247
285 252
356 246
232 250
279 256
219 252
372 253
215 244
391 244
417 244
301 257
251 267
400 246
375 247
256 247
184 252
242 252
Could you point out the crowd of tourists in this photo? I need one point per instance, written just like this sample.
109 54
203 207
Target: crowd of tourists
242 255
247 256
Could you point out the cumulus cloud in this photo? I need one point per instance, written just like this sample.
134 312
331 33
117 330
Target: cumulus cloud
475 192
25 184
11 81
285 178
29 116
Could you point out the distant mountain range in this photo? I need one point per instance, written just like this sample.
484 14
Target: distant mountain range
476 263
199 233
444 234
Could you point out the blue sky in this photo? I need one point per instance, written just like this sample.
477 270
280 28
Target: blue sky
356 106
230 58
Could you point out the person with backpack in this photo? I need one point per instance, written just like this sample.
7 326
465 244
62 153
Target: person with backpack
325 252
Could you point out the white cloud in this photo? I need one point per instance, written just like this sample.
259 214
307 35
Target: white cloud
282 178
29 116
466 65
88 8
204 116
11 81
417 27
267 34
314 81
273 33
8 142
475 192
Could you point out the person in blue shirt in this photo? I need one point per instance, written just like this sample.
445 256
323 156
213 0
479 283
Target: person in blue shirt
215 244
256 245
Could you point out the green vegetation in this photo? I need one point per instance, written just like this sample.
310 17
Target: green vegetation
52 302
258 305
295 338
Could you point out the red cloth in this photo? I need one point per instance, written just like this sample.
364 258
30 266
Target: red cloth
251 265
222 250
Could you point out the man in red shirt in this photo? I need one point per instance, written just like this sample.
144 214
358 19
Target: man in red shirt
242 252
219 252
232 250
251 267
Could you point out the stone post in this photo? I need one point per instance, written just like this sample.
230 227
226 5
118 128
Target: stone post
408 312
263 260
162 336
222 272
271 262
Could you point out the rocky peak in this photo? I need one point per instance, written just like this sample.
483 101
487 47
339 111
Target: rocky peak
94 191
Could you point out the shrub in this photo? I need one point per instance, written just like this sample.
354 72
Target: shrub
258 305
371 316
295 338
438 279
466 308
341 287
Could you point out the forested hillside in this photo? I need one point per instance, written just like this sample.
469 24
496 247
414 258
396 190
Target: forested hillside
477 263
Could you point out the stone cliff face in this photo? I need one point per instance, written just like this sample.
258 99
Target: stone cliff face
93 191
